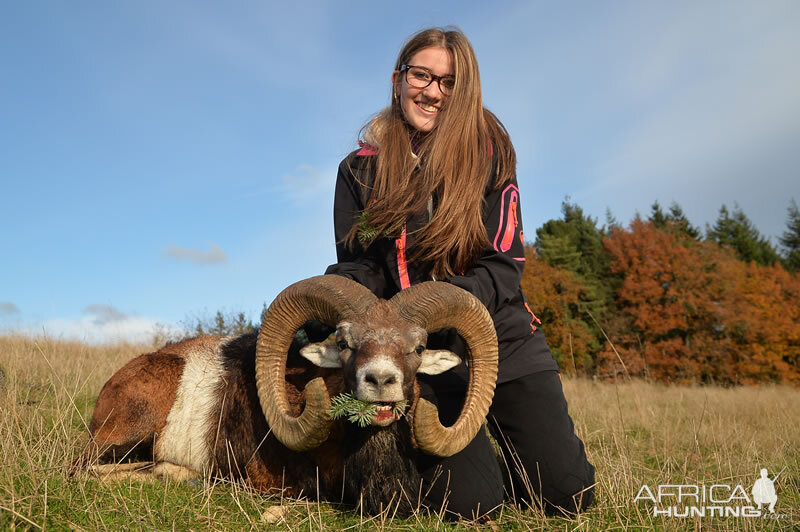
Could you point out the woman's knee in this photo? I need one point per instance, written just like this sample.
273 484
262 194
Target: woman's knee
572 492
548 463
469 500
537 485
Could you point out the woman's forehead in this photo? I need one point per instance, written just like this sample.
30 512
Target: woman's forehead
437 60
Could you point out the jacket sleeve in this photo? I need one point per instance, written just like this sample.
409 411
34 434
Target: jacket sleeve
495 278
360 265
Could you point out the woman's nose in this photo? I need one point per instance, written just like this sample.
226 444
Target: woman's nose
432 91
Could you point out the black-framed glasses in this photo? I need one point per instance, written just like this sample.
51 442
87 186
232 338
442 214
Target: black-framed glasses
420 77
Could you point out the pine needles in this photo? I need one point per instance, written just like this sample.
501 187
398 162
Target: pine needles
361 412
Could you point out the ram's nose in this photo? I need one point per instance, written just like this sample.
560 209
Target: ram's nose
380 383
379 379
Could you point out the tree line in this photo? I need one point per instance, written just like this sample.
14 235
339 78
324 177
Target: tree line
664 300
659 299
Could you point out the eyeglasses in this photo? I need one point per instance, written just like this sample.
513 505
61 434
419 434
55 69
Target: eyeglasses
420 77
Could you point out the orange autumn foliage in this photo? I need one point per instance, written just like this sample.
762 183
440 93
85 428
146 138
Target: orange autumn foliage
554 297
691 311
764 321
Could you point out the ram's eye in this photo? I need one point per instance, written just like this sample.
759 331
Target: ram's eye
420 349
342 345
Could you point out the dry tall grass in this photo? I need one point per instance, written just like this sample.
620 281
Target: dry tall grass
635 433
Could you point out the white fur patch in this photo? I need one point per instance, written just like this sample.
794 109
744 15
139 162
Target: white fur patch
435 362
322 354
185 439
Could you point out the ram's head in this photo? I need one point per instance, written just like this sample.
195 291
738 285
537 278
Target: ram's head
380 356
380 346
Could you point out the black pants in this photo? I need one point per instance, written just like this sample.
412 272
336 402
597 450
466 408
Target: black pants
543 462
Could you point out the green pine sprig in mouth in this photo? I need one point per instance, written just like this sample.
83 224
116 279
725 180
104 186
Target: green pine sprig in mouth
361 412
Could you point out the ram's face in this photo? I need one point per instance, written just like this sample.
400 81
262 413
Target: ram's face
380 359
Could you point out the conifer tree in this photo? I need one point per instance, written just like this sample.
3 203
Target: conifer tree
226 324
657 216
559 251
611 223
674 221
791 239
681 223
220 327
574 245
573 242
735 230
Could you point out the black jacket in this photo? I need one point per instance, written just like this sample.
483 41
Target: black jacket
494 278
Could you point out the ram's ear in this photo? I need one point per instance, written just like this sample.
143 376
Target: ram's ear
323 354
436 361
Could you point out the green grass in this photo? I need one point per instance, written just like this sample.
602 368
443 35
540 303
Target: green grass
635 433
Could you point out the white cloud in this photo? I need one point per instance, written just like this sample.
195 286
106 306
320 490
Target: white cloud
214 255
8 308
90 329
103 314
100 324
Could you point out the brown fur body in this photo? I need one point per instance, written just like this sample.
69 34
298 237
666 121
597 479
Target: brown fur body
194 409
133 406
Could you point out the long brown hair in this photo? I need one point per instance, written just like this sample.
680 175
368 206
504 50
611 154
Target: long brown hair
453 163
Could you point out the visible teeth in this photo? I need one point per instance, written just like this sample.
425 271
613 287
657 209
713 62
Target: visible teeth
384 407
429 108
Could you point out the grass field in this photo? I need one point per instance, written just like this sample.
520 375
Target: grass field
635 433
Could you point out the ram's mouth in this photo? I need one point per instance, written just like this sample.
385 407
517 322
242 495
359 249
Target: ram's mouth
363 413
387 413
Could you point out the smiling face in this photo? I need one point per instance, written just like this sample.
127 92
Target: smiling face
421 106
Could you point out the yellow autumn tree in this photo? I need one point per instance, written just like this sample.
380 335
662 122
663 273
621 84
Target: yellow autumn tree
554 296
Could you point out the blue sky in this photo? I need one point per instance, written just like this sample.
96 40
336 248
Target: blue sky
161 160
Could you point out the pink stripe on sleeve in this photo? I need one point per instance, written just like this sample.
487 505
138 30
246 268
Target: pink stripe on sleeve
508 222
402 265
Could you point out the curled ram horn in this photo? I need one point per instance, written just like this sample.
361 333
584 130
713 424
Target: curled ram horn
332 299
435 306
329 299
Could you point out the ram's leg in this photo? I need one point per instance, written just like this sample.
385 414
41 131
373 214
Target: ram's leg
143 471
131 409
114 472
109 445
178 473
